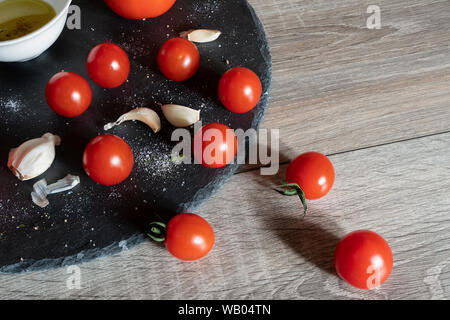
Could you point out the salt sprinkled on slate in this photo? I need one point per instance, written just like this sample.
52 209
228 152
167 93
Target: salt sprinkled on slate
12 106
206 7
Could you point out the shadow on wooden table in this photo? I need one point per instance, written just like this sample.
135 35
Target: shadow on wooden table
309 239
313 237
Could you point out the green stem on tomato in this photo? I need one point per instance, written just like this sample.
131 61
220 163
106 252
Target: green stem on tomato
157 231
293 189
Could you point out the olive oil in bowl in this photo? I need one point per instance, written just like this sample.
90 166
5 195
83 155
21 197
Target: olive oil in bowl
21 17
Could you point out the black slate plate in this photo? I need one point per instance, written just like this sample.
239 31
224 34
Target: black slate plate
94 220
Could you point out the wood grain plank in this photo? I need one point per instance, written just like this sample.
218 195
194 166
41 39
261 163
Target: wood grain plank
264 250
338 86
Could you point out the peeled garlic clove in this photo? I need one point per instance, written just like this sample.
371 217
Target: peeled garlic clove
145 115
32 158
41 190
201 35
180 116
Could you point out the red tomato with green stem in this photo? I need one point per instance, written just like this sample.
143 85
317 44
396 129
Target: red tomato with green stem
140 9
310 176
108 160
187 236
363 259
178 59
108 65
215 145
313 172
240 90
68 94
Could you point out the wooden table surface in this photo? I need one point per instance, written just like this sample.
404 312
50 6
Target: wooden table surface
377 101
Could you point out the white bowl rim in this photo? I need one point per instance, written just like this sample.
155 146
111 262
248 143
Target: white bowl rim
38 31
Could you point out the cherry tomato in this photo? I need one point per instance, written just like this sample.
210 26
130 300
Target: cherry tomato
189 237
108 160
140 9
68 94
178 59
314 174
363 259
108 65
215 145
240 90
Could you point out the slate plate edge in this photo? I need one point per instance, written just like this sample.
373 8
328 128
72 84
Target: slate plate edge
136 239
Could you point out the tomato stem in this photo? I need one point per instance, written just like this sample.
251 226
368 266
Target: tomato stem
292 189
157 231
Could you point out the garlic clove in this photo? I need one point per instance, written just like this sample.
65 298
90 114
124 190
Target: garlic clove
33 157
201 35
145 115
180 116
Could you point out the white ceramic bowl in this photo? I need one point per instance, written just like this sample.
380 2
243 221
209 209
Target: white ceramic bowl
32 45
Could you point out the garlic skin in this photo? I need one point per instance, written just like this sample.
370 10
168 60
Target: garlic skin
180 116
201 35
145 115
33 157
